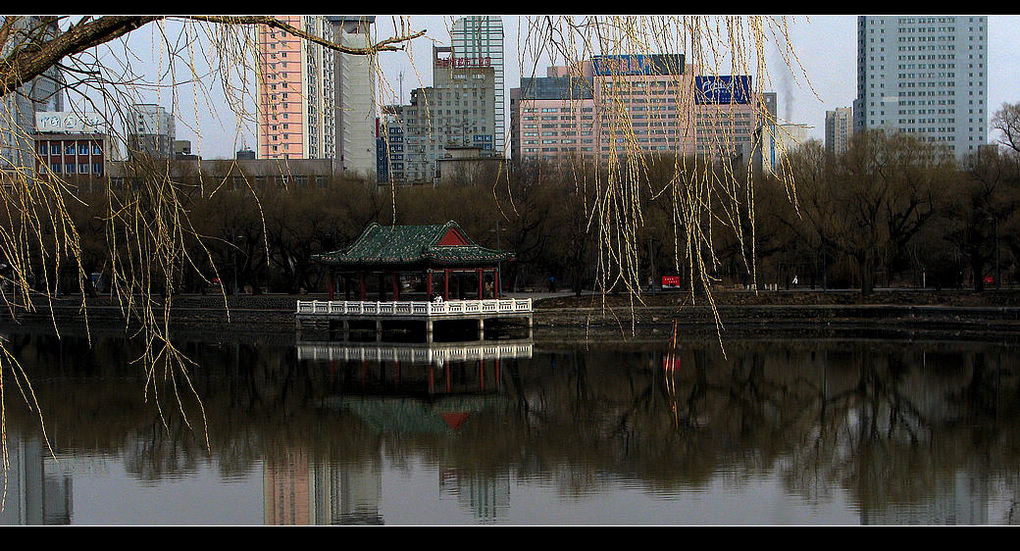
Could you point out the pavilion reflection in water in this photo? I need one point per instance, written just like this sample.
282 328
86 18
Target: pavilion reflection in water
394 389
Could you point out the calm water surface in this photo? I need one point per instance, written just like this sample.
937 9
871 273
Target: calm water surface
794 432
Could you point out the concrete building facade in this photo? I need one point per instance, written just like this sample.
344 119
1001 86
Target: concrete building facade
924 75
838 130
150 130
458 111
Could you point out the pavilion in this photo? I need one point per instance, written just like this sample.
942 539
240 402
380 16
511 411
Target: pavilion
425 259
394 274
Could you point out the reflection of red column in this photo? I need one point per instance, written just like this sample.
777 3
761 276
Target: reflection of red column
481 375
396 374
496 365
432 377
446 371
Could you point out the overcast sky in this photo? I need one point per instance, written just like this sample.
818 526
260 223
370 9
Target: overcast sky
826 46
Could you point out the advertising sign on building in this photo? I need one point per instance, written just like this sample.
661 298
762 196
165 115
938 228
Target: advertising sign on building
722 89
460 62
67 122
638 64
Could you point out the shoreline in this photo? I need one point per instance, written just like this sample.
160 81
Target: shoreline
989 316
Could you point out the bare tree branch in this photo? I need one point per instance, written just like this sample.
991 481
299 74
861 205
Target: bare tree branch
32 53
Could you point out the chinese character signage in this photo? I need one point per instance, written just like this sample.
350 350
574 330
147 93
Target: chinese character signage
64 121
461 62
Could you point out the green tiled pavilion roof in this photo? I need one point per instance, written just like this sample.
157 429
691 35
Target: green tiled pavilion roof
404 245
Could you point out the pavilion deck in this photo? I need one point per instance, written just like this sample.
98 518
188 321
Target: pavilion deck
384 314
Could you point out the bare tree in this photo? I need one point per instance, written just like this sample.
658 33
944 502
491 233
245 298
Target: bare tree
1007 121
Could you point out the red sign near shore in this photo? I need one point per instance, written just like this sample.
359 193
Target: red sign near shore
670 282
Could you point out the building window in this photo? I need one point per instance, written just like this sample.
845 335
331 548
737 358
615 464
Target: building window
69 168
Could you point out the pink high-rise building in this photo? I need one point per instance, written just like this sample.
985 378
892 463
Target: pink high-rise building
313 102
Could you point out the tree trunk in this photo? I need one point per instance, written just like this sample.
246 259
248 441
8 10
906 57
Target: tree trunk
865 263
977 270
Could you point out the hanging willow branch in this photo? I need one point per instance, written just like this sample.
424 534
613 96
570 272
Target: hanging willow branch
151 243
705 195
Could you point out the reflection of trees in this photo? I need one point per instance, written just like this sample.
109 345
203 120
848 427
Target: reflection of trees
888 423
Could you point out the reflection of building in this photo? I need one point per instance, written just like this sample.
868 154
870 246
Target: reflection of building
963 499
34 496
302 491
487 497
287 489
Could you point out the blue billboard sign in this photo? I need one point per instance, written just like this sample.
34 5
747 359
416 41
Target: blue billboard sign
722 89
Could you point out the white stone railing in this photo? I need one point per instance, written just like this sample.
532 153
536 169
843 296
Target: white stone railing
413 354
415 308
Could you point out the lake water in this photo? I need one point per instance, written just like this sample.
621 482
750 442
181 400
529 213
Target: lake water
813 432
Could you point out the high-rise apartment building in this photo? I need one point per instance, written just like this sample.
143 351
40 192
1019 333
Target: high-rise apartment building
924 75
314 102
838 129
478 39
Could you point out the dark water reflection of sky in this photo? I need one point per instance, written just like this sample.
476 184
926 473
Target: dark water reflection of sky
772 433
